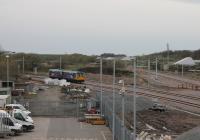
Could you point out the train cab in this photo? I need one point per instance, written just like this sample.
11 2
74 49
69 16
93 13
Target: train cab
55 73
74 76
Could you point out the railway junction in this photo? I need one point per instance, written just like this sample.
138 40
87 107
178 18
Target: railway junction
143 104
168 111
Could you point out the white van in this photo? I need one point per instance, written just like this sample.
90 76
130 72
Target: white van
23 119
7 122
17 106
18 111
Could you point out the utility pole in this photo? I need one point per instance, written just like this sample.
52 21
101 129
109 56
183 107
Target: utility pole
168 54
123 111
149 74
113 125
182 69
134 101
7 57
23 63
60 62
101 80
156 68
18 68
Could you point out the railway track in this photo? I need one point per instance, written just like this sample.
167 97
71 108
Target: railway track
157 91
170 93
179 80
157 97
152 95
149 93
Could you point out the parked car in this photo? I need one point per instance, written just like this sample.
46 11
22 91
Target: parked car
17 106
159 107
7 123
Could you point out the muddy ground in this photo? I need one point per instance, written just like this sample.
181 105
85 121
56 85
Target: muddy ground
171 122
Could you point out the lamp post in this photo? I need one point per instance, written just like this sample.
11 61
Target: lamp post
113 111
149 69
122 93
182 70
114 79
101 80
7 62
156 68
23 64
134 93
114 98
134 98
7 53
101 83
60 62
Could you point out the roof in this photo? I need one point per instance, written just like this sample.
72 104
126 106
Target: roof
72 71
13 105
55 70
188 61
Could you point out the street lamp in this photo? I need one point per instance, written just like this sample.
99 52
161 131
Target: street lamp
156 68
23 64
60 62
122 93
134 92
134 98
114 79
101 82
7 62
6 53
149 74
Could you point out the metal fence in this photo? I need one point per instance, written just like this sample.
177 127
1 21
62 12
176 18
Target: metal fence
5 123
74 108
108 114
107 106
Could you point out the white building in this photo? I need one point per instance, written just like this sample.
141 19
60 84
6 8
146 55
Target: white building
5 96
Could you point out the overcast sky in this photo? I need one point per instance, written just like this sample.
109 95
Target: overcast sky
131 27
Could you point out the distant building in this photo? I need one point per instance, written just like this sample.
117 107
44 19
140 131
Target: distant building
5 96
5 91
5 84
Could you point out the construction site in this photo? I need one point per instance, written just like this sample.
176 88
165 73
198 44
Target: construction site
99 70
163 105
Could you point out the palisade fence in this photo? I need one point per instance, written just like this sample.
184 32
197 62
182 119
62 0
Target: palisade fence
74 108
108 114
5 123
